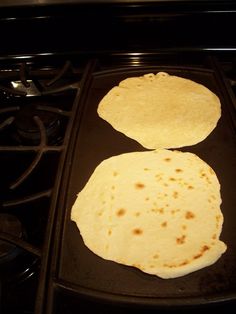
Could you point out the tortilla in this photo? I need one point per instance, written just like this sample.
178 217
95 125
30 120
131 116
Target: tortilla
161 111
158 211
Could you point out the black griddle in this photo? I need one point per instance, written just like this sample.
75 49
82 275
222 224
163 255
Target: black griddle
74 272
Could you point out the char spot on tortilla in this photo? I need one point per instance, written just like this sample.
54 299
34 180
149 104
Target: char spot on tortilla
100 212
167 159
184 263
139 186
164 224
190 187
159 210
181 240
175 194
202 251
121 212
178 170
189 215
137 231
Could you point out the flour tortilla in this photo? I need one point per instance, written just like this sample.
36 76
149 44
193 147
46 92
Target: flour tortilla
161 111
158 211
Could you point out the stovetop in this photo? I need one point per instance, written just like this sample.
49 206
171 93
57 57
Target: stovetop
35 114
38 106
40 84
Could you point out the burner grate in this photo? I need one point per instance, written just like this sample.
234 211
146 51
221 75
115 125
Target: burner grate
36 108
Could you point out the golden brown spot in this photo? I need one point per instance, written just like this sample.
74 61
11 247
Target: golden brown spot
197 256
137 231
205 248
121 212
147 199
115 173
113 187
167 159
156 256
109 232
160 210
218 218
178 170
139 185
184 227
137 214
152 266
214 236
184 263
181 239
189 215
164 224
172 179
146 169
175 194
112 197
165 184
190 187
100 213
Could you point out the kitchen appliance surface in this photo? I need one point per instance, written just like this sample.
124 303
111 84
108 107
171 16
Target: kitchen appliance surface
57 61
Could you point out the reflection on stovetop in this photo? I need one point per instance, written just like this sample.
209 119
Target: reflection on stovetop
36 104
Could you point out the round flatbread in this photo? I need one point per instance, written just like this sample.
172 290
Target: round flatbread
158 211
161 111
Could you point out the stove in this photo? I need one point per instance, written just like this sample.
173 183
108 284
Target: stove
48 82
35 117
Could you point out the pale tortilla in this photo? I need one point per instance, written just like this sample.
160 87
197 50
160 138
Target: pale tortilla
161 111
158 211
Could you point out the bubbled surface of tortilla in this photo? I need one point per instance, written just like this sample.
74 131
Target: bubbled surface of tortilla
158 211
161 111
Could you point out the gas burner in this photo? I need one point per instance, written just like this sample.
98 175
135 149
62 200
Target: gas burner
27 130
18 258
9 224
